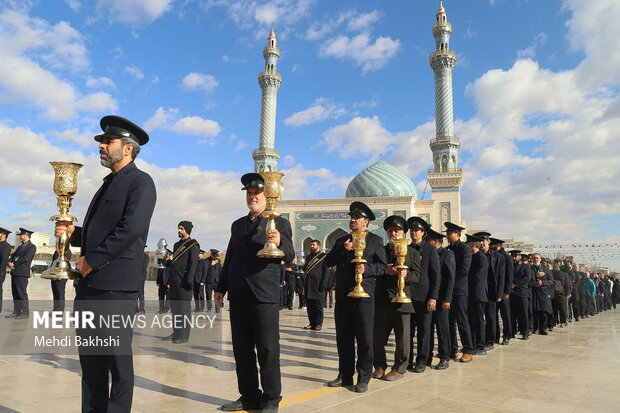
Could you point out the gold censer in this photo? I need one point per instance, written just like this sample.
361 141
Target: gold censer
272 190
359 245
65 187
400 250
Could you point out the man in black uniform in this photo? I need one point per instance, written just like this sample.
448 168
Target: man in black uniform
162 285
424 293
563 287
315 280
478 293
541 291
504 306
5 252
58 286
458 307
521 290
441 315
181 278
199 282
112 244
355 316
253 287
394 316
495 280
20 263
213 267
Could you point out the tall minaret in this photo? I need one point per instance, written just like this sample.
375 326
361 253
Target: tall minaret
446 175
266 157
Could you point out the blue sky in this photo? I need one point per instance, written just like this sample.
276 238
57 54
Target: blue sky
536 97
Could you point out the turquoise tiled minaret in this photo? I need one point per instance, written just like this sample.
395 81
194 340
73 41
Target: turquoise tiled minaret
266 156
446 176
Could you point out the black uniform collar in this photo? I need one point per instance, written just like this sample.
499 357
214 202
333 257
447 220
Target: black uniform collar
126 169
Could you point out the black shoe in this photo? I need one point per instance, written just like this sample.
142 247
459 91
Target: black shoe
479 352
453 356
339 382
488 347
361 387
543 333
526 336
12 315
419 368
267 408
239 405
411 367
443 364
180 340
506 342
170 337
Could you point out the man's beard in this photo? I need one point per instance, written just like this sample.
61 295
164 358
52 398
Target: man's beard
393 239
180 235
254 207
111 159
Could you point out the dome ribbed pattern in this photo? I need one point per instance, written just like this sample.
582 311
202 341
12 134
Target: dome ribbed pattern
380 179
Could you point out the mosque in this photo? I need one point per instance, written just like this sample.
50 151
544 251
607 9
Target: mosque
385 189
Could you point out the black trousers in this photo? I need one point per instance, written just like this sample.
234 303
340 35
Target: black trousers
162 293
354 325
541 316
199 297
490 319
2 277
289 295
386 320
256 334
476 323
141 298
574 304
530 313
97 368
440 321
181 308
422 320
518 313
503 307
19 287
315 311
458 317
58 292
209 289
559 309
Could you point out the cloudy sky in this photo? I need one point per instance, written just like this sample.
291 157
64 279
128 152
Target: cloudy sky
536 89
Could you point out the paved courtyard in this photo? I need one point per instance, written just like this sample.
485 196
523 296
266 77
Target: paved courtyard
574 369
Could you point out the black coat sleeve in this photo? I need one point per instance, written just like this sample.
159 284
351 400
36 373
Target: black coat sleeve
192 264
447 276
434 274
379 264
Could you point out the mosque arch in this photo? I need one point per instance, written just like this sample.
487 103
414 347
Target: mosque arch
305 245
332 237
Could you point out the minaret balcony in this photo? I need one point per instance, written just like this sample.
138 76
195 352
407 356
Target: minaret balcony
446 59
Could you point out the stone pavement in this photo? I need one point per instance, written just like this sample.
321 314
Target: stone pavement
574 369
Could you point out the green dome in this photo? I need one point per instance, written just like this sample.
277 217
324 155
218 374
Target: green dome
380 179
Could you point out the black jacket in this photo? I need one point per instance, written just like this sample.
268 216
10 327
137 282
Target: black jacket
115 230
5 252
212 271
508 271
315 280
447 264
522 280
462 256
495 278
246 276
477 278
375 266
540 295
183 267
22 259
430 275
386 286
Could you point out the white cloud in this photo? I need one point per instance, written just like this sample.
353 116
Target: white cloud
134 12
160 119
100 83
135 72
288 160
74 5
360 48
28 45
360 136
300 182
363 21
530 52
240 145
351 19
321 109
200 81
83 139
197 126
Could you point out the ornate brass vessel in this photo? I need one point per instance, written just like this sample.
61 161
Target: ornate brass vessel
359 245
272 190
65 187
400 250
